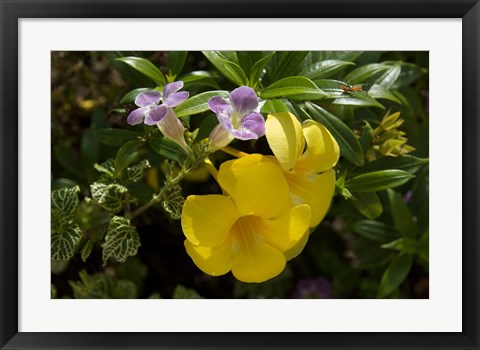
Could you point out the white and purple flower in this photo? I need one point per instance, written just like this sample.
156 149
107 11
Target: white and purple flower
156 108
237 118
153 105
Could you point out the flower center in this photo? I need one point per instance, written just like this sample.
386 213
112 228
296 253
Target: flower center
236 119
152 106
245 231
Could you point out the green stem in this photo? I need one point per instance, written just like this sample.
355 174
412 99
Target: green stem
159 197
127 204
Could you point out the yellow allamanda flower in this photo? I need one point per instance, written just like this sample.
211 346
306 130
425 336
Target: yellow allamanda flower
307 153
253 229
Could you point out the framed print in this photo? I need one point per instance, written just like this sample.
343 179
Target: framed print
239 174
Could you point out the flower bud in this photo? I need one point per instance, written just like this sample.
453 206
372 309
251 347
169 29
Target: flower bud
173 129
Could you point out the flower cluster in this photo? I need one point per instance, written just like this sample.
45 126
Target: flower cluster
269 203
388 140
156 108
252 229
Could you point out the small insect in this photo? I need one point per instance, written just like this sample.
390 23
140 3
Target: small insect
351 88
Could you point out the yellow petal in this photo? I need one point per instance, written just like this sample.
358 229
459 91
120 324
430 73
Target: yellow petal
298 248
261 190
284 135
254 260
206 220
314 190
322 151
287 230
232 170
214 261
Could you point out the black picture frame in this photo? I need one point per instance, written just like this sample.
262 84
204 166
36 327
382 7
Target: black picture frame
13 10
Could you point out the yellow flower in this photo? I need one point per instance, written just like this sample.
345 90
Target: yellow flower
308 171
253 229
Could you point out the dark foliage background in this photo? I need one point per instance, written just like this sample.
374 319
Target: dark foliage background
87 88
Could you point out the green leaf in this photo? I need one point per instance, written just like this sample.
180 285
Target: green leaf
246 59
65 233
102 286
145 67
419 201
374 230
89 151
357 98
165 147
173 202
378 91
423 247
62 183
410 72
87 250
228 55
99 119
297 88
59 266
325 69
115 137
366 139
89 287
363 73
124 290
198 103
176 61
333 89
286 63
58 220
121 241
129 73
258 68
407 163
126 155
378 180
299 111
350 148
135 172
206 127
395 274
373 258
202 78
64 240
107 167
275 106
403 245
402 217
368 204
70 161
130 96
65 200
388 79
229 69
108 194
182 292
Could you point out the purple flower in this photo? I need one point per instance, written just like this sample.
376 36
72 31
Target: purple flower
312 288
236 117
153 105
